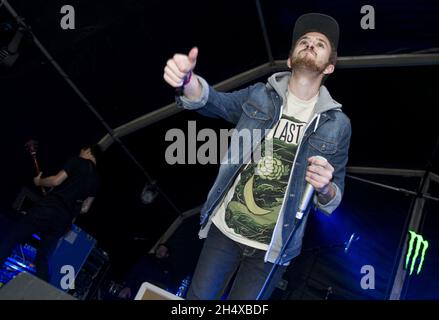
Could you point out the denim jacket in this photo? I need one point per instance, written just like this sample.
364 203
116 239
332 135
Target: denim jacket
260 107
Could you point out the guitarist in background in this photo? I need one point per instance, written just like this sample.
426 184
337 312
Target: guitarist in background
74 189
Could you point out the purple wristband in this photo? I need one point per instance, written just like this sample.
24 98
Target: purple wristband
187 78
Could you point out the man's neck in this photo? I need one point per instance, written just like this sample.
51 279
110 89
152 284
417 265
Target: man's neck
304 85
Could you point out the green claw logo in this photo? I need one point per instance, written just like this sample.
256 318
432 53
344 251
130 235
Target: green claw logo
418 241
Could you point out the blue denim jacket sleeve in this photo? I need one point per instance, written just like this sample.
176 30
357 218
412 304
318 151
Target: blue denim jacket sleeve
214 104
339 162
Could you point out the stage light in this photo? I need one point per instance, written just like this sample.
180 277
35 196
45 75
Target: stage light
149 192
348 243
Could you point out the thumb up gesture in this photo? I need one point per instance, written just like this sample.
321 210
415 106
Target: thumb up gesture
178 69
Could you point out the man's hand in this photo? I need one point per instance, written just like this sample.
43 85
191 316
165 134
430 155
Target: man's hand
86 204
319 175
178 73
179 67
37 179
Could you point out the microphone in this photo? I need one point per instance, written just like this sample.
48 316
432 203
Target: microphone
306 198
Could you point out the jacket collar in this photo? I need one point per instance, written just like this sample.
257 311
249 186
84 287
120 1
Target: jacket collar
279 82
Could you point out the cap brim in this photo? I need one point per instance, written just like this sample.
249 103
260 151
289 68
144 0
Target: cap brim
317 22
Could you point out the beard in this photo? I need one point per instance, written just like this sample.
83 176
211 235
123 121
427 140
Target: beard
306 63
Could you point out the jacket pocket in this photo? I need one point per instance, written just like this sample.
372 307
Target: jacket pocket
254 111
321 145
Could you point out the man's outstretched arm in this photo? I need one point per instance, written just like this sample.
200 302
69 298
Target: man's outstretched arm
51 181
198 94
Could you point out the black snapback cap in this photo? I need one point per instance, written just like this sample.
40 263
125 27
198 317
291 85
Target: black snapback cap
317 22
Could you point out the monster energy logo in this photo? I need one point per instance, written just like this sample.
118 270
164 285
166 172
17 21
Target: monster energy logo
417 242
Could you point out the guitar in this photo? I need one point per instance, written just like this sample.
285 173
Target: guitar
32 147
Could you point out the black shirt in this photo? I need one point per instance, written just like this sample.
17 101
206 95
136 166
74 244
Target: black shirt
82 182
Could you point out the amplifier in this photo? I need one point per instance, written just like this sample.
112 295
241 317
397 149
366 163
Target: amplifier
70 255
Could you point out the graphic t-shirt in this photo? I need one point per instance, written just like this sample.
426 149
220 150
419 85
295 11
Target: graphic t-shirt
249 211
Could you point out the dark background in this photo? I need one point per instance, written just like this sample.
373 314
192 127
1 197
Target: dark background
116 57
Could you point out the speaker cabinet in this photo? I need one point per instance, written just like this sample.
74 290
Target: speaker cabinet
28 287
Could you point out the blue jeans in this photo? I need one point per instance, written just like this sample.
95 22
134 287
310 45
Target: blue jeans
220 259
